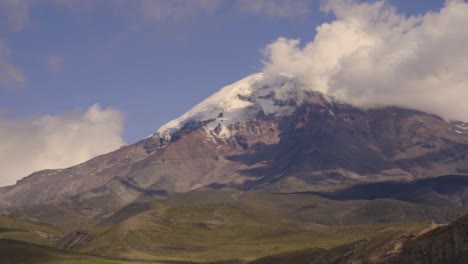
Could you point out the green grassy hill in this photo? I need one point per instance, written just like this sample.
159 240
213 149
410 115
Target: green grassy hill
207 227
225 227
37 233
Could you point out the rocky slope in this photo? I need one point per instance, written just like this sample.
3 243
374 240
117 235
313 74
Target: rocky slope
247 136
448 244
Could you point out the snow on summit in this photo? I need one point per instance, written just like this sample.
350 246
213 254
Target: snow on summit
235 103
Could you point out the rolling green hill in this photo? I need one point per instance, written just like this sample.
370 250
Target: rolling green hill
227 226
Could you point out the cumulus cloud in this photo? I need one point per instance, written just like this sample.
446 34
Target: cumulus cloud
54 64
56 141
372 56
11 77
276 8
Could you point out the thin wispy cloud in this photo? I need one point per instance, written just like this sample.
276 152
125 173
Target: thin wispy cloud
276 8
373 56
56 141
15 13
55 64
11 76
161 10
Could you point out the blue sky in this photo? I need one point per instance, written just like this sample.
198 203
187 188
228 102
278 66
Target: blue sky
79 78
151 69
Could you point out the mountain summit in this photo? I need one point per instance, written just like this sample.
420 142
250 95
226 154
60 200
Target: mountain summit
238 103
233 104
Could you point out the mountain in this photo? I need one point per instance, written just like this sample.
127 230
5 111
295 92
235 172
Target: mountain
257 134
263 171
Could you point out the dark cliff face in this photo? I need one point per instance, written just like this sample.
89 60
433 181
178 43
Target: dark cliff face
322 146
448 244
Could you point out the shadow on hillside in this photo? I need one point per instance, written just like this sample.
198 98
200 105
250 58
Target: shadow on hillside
352 140
451 190
14 252
326 143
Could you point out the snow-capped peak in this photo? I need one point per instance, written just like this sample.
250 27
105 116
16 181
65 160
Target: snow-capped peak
238 102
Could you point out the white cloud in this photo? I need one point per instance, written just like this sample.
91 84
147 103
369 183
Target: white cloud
11 77
15 12
372 56
57 141
54 63
276 8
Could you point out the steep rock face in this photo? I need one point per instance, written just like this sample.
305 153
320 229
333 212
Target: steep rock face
245 137
447 244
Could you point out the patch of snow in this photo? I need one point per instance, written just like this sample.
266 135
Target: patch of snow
209 136
225 132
